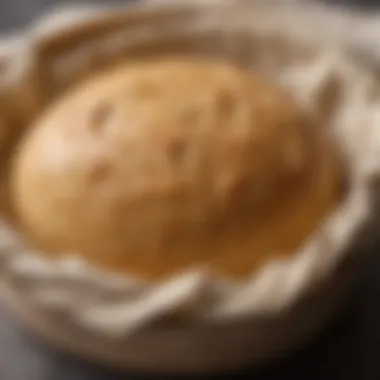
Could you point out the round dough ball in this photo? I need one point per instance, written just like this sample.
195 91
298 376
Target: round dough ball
152 168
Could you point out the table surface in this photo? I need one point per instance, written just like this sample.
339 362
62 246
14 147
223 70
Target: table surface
349 349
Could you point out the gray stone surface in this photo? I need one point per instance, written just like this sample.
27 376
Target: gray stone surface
348 350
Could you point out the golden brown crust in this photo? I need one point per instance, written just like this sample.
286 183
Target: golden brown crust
155 167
